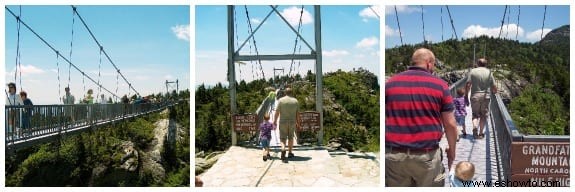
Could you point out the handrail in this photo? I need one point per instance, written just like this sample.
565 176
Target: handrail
506 132
40 122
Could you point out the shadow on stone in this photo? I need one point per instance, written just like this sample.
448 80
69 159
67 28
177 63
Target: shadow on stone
297 158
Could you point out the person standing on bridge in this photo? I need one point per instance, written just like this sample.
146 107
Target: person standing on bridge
460 112
69 99
417 105
12 99
27 112
287 108
272 99
479 80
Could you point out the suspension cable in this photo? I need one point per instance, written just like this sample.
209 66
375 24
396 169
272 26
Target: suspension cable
374 12
398 26
104 51
517 31
19 21
452 26
56 51
296 40
99 75
544 13
441 23
254 40
502 21
58 71
71 44
423 25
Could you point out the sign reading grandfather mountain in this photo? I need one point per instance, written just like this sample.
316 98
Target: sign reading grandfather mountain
245 122
309 120
538 161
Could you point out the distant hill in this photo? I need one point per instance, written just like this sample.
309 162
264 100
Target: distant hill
350 104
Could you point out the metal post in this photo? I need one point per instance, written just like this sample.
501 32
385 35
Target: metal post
318 71
231 69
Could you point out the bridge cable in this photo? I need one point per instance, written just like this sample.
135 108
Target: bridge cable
58 71
517 31
423 26
254 73
398 26
544 14
19 21
502 22
441 23
99 75
452 26
295 45
56 51
104 51
254 40
71 45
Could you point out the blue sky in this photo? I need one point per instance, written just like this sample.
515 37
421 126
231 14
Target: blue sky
149 44
471 20
350 39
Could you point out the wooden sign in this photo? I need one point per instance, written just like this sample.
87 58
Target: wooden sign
246 122
540 158
533 180
309 120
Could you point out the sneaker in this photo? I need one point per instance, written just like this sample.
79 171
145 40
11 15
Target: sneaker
269 156
290 155
265 158
481 136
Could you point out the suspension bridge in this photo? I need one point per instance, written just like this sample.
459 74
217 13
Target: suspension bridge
506 156
28 125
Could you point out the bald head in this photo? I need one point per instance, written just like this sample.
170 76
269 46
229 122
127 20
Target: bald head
482 62
422 56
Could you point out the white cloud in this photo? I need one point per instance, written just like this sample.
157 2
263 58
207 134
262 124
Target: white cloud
26 70
182 32
368 13
256 21
334 53
292 15
507 31
389 9
536 35
168 77
390 32
367 42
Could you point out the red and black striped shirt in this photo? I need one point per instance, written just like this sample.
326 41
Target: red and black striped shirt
414 100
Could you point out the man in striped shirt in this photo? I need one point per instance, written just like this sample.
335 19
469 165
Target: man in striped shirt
417 106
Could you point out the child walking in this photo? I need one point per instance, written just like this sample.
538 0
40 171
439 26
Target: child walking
266 135
460 102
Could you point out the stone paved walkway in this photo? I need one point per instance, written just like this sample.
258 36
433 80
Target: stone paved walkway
480 152
312 167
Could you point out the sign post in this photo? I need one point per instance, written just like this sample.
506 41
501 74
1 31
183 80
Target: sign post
543 164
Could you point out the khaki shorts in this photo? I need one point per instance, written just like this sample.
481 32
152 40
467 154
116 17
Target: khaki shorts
480 105
423 169
287 129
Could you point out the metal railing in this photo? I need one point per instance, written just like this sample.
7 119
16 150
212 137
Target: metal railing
506 132
41 122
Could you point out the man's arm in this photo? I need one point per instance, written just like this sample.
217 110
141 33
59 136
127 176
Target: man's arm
450 127
276 116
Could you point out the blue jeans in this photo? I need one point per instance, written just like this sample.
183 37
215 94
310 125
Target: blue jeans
460 120
265 143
